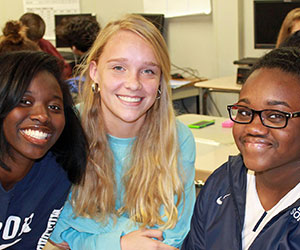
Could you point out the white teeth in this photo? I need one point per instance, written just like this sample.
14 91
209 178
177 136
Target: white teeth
130 99
35 134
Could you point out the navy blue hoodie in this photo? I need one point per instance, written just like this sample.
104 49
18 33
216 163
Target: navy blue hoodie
29 211
219 213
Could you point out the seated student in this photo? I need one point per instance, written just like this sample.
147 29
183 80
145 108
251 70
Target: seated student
290 24
253 200
42 148
139 187
14 38
79 33
36 31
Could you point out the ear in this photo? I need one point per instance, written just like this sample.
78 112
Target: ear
93 70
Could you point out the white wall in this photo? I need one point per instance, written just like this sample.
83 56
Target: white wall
207 43
10 10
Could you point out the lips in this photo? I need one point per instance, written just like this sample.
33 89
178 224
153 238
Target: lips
256 143
36 136
129 99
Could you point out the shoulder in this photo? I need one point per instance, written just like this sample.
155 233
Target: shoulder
48 47
232 169
221 181
185 135
44 44
50 183
182 129
51 171
230 178
187 147
185 139
73 84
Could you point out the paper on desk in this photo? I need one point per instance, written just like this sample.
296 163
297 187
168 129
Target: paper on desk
178 83
207 141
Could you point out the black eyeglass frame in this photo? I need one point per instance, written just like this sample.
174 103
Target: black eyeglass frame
288 115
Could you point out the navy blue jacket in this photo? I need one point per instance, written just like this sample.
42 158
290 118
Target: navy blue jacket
29 211
219 213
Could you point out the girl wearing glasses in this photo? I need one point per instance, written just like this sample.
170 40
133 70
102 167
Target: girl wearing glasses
252 201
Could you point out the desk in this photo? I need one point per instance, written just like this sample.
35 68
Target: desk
213 144
222 84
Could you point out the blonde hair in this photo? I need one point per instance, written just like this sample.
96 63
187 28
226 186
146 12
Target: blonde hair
152 178
287 25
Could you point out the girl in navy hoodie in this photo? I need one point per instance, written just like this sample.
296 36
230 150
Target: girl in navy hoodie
42 148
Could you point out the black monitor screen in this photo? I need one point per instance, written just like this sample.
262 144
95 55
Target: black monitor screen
60 20
268 17
157 19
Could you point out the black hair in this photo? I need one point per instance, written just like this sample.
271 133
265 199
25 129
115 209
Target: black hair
286 59
80 31
17 70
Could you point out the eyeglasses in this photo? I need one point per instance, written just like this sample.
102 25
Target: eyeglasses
270 118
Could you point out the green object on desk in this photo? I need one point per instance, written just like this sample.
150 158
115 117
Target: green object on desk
202 124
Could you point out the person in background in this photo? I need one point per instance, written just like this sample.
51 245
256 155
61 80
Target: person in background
139 187
36 31
14 38
290 24
292 41
42 148
253 200
79 33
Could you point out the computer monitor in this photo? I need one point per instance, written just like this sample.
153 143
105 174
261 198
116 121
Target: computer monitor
59 20
157 19
268 17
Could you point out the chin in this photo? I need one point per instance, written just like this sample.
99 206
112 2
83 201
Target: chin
131 118
36 155
256 166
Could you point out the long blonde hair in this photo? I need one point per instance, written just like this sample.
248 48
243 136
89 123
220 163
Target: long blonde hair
287 25
152 178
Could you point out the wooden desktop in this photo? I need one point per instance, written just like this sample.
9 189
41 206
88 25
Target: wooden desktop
213 144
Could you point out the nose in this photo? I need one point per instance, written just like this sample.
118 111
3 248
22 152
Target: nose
133 81
40 113
256 126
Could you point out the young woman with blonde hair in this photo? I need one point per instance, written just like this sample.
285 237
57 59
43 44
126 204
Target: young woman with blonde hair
139 187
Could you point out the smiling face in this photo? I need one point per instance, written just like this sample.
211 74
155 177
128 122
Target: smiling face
267 148
34 126
128 75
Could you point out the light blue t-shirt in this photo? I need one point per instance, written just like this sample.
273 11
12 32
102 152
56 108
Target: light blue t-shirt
84 233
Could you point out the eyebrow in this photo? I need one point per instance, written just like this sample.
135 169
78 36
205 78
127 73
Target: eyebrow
121 59
54 96
245 100
270 102
58 97
274 103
